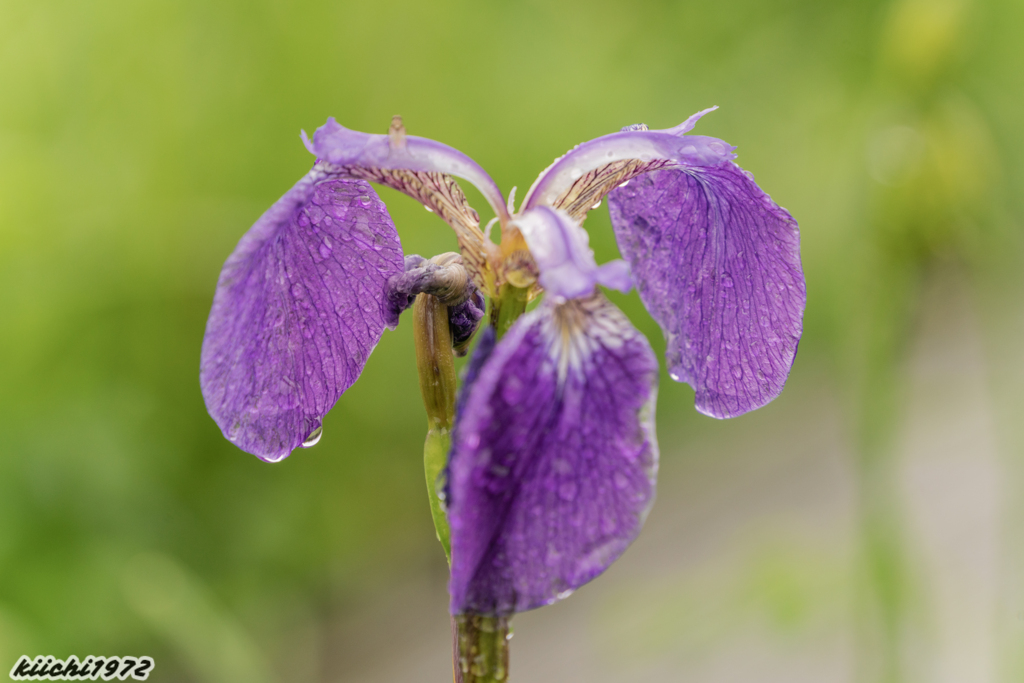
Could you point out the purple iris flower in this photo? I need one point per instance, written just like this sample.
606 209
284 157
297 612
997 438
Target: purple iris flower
554 454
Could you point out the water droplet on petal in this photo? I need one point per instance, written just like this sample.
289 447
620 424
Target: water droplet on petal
596 205
624 183
429 210
566 593
737 372
364 200
314 437
326 247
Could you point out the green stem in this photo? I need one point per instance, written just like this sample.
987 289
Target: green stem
507 307
480 643
436 365
481 648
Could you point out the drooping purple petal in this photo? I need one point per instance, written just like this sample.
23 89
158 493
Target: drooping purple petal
338 145
717 264
577 181
299 307
484 348
561 249
481 354
422 169
554 457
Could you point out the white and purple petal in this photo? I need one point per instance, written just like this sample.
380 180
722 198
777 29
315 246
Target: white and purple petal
299 306
554 457
561 250
341 146
578 180
422 169
717 264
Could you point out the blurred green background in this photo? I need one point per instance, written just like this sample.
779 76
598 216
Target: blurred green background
139 140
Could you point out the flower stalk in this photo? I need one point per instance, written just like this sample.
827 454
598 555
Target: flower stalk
481 648
480 643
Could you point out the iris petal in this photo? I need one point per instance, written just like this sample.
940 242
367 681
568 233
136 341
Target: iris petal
338 145
422 169
554 458
299 306
561 249
577 181
717 264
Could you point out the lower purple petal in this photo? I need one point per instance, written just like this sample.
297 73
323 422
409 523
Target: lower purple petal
554 457
717 264
298 309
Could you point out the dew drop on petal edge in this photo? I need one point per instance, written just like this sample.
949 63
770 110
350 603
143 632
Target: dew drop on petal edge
314 437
